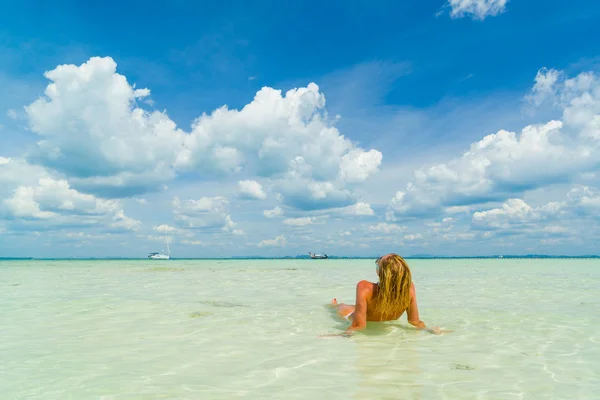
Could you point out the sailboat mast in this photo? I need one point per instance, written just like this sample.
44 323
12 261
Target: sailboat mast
167 240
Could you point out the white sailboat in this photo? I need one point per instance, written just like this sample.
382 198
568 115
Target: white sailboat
161 256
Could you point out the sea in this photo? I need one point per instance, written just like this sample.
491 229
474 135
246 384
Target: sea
228 329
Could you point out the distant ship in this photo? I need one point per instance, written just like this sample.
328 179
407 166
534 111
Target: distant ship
318 256
161 256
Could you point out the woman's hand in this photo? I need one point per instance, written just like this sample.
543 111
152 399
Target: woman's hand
436 330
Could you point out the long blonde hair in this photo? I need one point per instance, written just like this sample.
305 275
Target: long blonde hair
395 279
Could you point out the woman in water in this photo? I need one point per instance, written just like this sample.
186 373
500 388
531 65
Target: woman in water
386 300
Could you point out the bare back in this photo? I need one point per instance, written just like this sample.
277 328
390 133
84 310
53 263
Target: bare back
366 306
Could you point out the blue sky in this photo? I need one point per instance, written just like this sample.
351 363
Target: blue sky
468 127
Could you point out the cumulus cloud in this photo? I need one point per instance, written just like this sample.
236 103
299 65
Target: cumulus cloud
553 218
12 114
56 197
95 132
476 9
276 212
506 163
358 165
578 98
192 242
309 195
206 213
164 228
279 241
272 131
512 213
304 221
386 228
359 209
545 86
413 236
34 198
121 222
458 236
584 200
18 172
251 190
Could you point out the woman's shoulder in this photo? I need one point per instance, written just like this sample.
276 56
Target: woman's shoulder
365 285
365 290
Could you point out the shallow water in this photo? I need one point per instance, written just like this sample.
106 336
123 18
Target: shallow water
228 329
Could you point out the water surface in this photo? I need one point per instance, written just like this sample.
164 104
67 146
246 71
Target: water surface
524 329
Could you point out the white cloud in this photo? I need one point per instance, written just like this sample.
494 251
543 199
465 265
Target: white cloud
120 221
34 199
454 237
95 132
279 241
311 195
551 218
165 228
506 164
358 165
477 9
584 200
206 213
386 228
12 114
16 172
193 242
159 238
512 212
412 237
578 98
276 212
515 218
272 131
304 221
545 86
55 196
445 226
358 209
23 205
389 216
85 235
251 190
493 168
550 242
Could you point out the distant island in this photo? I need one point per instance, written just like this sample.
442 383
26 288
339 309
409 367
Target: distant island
306 257
419 257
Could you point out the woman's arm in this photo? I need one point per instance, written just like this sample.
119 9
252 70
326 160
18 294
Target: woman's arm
413 314
413 310
359 319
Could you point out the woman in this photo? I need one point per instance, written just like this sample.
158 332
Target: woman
386 300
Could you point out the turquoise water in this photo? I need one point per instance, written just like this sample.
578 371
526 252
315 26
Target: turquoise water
524 329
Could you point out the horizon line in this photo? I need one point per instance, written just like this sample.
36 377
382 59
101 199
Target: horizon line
302 257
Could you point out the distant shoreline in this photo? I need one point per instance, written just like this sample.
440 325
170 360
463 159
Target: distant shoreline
540 256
